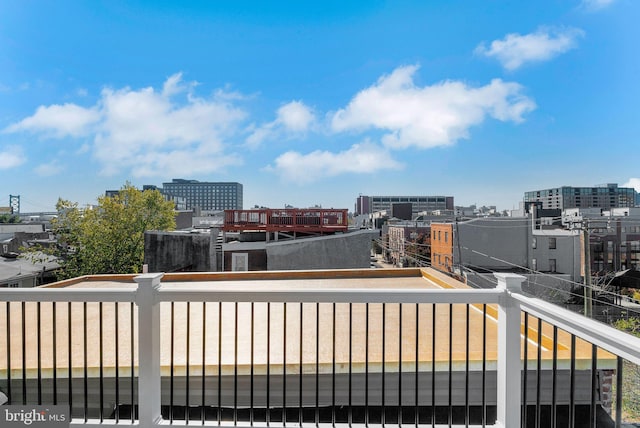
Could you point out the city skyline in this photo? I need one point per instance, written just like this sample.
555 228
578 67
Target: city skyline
309 104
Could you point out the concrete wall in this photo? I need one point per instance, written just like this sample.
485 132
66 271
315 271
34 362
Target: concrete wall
342 251
177 251
21 227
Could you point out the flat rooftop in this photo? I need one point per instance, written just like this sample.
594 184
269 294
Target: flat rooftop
215 324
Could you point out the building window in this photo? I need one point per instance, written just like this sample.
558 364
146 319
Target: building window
534 243
446 236
552 265
552 243
534 264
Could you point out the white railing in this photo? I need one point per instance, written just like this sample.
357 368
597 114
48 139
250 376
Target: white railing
150 294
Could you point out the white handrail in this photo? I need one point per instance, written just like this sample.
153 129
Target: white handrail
120 294
378 295
606 337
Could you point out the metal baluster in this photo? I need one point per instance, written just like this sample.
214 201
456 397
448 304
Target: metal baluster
554 382
594 385
171 363
350 414
619 393
219 363
24 355
55 353
131 338
333 370
39 351
433 364
400 364
101 346
301 416
572 383
117 363
251 386
417 357
484 365
235 367
8 306
383 389
317 415
86 369
525 369
450 364
539 374
366 365
267 410
204 362
284 365
187 374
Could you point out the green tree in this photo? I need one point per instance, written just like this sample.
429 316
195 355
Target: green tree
9 218
110 237
630 375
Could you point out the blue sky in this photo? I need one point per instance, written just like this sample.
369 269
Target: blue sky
310 103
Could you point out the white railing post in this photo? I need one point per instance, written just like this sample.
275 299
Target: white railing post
509 365
149 394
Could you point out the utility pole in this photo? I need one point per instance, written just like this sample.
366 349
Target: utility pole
583 226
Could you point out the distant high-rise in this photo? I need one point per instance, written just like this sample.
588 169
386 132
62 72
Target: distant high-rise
371 204
605 196
206 195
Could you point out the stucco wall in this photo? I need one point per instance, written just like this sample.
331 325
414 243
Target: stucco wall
505 239
343 251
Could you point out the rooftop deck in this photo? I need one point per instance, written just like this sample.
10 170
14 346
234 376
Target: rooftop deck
318 220
312 340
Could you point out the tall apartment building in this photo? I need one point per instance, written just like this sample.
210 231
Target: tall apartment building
206 195
371 204
605 196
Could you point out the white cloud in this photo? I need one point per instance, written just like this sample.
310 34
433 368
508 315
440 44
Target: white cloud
516 50
11 157
145 132
175 85
293 118
363 158
429 116
633 182
594 5
49 169
67 120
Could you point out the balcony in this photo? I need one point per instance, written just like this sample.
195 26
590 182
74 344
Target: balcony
354 347
313 220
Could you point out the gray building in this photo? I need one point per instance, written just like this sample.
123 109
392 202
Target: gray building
206 251
605 196
549 257
206 195
371 204
507 243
